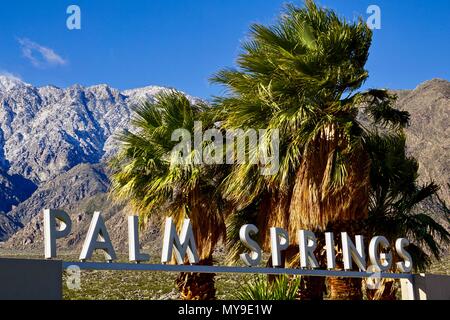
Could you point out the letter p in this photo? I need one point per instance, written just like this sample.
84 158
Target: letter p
51 232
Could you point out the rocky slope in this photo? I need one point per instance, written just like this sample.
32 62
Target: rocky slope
428 137
55 141
14 189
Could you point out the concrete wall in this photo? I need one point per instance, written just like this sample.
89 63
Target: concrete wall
30 279
426 287
432 287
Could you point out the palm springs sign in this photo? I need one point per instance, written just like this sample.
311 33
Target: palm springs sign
57 224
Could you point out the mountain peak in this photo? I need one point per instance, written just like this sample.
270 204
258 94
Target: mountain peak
148 90
435 83
10 82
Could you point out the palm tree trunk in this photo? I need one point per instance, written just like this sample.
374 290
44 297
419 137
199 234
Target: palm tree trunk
387 291
197 286
311 288
316 205
345 288
317 202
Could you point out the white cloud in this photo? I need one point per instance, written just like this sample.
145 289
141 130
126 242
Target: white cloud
10 75
38 55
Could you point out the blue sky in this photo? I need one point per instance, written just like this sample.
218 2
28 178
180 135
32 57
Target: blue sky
181 43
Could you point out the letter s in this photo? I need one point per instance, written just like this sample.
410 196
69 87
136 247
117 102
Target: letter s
407 264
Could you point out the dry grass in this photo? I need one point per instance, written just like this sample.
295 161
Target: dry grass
141 285
441 267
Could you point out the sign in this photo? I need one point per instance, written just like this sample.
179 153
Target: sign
182 246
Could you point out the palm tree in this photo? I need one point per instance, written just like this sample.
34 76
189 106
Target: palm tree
400 207
148 178
301 76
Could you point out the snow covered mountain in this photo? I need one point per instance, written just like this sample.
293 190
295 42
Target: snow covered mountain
47 131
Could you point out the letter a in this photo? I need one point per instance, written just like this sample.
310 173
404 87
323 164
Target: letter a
74 20
97 238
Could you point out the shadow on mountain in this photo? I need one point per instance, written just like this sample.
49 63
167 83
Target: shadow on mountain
14 189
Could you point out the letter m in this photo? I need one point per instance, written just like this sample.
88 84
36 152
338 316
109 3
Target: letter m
185 244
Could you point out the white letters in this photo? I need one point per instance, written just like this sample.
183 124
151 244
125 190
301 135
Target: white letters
50 232
97 238
307 243
407 264
331 252
184 244
279 241
381 261
352 253
254 258
133 241
183 247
